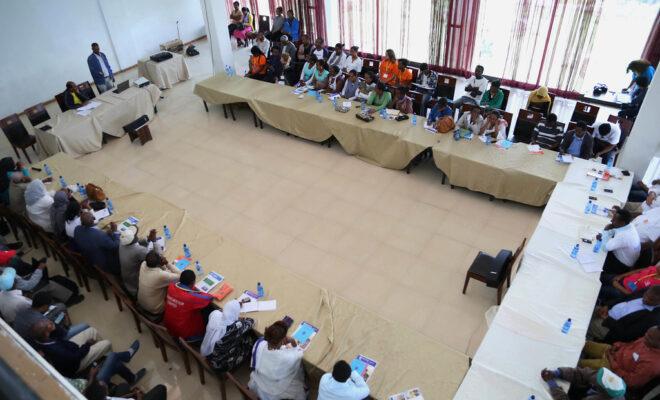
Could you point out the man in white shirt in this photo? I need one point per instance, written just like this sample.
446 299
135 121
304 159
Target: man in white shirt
475 87
606 139
342 384
648 225
262 43
353 62
338 57
622 243
649 302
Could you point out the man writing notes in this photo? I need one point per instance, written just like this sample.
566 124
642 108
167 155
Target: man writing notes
100 69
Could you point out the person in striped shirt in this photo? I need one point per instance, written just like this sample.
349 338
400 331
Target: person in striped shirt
548 134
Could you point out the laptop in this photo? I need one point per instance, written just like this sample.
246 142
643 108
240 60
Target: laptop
121 87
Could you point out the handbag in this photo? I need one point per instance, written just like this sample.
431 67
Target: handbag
94 193
445 125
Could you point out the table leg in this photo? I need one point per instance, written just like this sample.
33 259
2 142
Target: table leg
254 118
261 123
224 110
155 110
206 107
231 110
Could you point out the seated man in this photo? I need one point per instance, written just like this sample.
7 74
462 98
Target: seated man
647 225
72 97
35 279
439 110
366 86
636 362
43 309
338 57
287 47
156 274
630 110
471 120
577 142
132 253
493 97
275 67
12 300
183 308
601 384
645 197
548 134
403 74
475 87
98 247
606 139
628 320
622 243
342 384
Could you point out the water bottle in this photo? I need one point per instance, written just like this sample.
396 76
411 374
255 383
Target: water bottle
111 207
597 245
48 171
632 286
488 139
610 163
319 98
167 233
575 251
567 326
414 119
457 136
363 107
186 251
532 397
260 290
594 208
198 268
383 113
227 70
26 172
594 184
587 208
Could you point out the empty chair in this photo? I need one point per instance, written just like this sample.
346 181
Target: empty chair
86 89
505 101
586 113
17 135
264 23
37 114
59 98
446 87
493 271
525 124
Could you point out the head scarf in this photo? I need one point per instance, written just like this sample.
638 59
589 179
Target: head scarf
217 326
611 382
539 95
7 279
6 165
58 211
34 192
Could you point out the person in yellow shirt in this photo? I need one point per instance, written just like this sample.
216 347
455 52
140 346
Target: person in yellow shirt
403 74
72 97
388 68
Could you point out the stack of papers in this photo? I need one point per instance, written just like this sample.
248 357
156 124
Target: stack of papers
254 304
565 158
87 108
128 222
430 128
304 334
534 149
300 90
211 280
364 366
412 394
100 214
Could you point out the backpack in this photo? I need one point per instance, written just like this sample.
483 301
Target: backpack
191 51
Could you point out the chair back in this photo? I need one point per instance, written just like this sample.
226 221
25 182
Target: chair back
163 334
505 101
14 129
369 64
584 112
417 101
197 356
512 260
86 89
264 23
571 126
508 117
59 98
415 73
525 124
468 106
446 87
37 114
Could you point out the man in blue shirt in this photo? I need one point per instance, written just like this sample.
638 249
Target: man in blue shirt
100 69
291 27
342 384
577 142
441 109
98 247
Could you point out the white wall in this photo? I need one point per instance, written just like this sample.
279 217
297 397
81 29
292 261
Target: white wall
644 141
46 43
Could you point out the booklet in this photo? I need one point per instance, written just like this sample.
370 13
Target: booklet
181 263
211 280
412 394
304 334
252 303
127 222
364 366
223 291
101 214
504 144
564 158
534 149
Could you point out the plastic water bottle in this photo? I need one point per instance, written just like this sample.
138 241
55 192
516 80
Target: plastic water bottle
260 290
48 171
575 251
594 208
62 182
198 268
532 397
610 163
457 136
597 245
79 188
414 119
594 185
383 113
363 107
587 208
167 233
111 207
26 172
567 326
488 139
319 98
186 251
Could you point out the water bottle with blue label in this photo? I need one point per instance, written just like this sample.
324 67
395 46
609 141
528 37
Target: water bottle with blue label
610 163
575 251
532 397
363 107
594 208
383 113
198 268
567 326
260 290
26 172
457 135
594 185
186 251
598 245
62 182
79 188
167 233
111 207
587 208
414 119
48 171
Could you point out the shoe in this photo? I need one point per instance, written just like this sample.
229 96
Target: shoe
134 348
75 300
139 375
14 246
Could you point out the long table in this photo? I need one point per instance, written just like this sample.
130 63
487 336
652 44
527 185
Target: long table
78 135
525 335
512 174
406 358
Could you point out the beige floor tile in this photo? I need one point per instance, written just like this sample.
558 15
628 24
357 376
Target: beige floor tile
355 246
391 262
292 221
344 212
324 233
302 258
409 238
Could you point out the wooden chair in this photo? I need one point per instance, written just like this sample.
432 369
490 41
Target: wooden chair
525 124
37 114
86 89
466 107
493 271
417 101
264 23
139 129
584 112
163 339
505 101
203 365
446 87
123 298
17 135
59 98
369 64
16 224
626 126
80 267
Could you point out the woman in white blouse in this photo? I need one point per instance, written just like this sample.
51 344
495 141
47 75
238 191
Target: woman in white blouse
353 62
38 203
494 126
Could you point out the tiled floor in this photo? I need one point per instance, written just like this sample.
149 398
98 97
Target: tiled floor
397 244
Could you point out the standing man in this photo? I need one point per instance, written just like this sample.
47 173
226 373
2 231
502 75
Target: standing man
606 139
278 24
475 87
291 26
100 69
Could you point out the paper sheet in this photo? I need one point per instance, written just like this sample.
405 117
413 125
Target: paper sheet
588 261
534 149
100 214
565 158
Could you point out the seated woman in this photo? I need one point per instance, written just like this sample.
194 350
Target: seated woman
471 120
379 98
38 203
388 68
244 28
336 80
72 215
320 76
258 64
366 86
439 110
227 341
58 211
308 69
277 371
539 100
494 126
402 101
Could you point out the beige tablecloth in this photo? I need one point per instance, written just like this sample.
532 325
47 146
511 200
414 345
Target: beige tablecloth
512 174
166 73
406 358
389 144
77 135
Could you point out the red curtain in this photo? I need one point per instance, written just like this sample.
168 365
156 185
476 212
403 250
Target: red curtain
652 49
463 16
